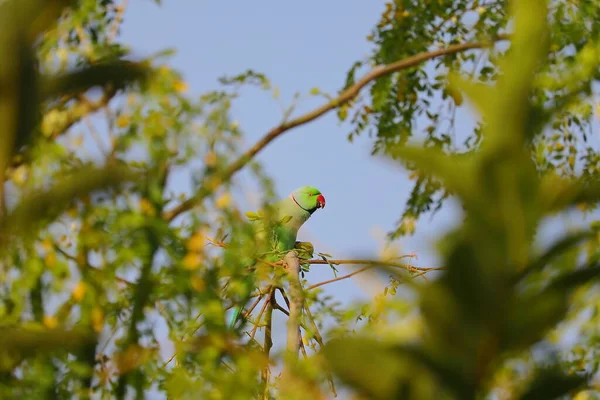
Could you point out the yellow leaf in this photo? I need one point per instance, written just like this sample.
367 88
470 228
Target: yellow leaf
50 322
583 395
47 245
196 242
132 357
223 200
180 87
197 283
315 91
147 208
19 175
123 121
97 317
50 259
79 291
191 261
210 159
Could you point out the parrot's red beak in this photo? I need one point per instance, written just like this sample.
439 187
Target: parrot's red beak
321 201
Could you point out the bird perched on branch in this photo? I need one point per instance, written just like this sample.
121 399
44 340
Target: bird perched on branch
286 216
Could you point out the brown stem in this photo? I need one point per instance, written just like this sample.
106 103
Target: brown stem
340 278
258 319
381 263
347 95
296 304
319 339
266 372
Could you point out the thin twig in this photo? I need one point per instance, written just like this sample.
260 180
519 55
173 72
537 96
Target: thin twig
259 318
117 21
375 263
348 94
340 278
317 336
88 265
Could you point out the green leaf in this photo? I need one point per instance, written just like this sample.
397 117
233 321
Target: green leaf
117 73
479 93
367 365
552 383
21 341
556 250
252 216
285 219
40 207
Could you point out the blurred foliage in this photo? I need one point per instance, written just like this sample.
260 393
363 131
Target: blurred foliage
418 104
106 292
488 324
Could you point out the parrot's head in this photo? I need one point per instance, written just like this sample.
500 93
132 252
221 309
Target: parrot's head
308 198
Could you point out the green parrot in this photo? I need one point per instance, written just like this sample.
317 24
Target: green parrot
292 212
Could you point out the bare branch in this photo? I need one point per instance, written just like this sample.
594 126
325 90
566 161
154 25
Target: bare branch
82 109
343 98
374 263
340 278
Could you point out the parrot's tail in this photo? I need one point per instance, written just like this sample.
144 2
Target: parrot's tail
234 316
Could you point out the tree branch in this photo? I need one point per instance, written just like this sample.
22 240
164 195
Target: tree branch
346 95
296 306
374 263
268 342
341 278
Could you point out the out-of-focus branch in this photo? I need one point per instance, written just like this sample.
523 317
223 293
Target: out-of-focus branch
70 117
82 108
348 94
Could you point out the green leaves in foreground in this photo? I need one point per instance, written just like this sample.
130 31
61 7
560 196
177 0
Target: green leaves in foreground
22 89
483 308
22 92
17 342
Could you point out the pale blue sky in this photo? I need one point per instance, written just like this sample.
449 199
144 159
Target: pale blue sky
298 45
